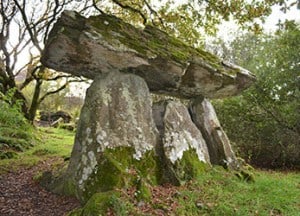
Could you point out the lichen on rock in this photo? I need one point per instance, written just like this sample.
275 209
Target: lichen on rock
115 132
181 141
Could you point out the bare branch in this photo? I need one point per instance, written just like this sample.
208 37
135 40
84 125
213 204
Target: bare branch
58 89
59 77
154 12
30 29
55 13
96 7
128 7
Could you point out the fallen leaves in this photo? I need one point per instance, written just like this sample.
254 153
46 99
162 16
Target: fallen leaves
21 195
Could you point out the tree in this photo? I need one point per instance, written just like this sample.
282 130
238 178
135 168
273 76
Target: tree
191 19
24 28
25 25
268 114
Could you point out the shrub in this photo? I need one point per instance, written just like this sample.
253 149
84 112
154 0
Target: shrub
16 134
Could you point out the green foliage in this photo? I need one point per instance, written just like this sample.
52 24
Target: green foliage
189 19
264 122
10 115
7 154
118 206
16 134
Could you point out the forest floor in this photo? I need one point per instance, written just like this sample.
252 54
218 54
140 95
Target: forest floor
20 194
217 192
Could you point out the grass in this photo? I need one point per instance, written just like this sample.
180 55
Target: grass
52 142
215 192
16 134
220 193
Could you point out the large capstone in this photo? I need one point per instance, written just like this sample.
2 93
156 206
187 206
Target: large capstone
205 117
101 44
182 145
116 136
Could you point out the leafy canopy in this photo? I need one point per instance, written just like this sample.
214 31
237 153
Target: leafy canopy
191 18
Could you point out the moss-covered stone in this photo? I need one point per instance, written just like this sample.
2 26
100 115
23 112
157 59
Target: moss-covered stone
189 166
143 191
59 183
245 175
105 43
118 169
150 42
97 205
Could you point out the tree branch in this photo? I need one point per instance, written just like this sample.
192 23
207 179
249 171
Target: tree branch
152 11
57 90
127 7
96 7
58 77
279 120
31 30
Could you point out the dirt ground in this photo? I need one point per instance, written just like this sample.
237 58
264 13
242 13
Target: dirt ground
20 195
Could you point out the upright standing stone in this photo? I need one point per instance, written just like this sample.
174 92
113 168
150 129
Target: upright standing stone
183 147
115 135
205 117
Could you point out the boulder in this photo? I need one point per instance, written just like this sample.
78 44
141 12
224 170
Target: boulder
183 150
115 140
57 123
219 147
101 44
54 116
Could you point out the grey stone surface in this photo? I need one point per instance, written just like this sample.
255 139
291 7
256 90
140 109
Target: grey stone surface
178 132
91 46
117 113
182 145
219 147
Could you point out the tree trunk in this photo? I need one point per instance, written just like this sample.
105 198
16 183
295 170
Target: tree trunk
35 101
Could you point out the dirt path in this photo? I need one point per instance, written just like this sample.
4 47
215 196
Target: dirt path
20 195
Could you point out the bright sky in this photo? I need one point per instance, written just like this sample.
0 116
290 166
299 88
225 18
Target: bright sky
228 28
277 14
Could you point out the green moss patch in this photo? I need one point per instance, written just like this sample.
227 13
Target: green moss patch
151 42
189 166
117 168
98 204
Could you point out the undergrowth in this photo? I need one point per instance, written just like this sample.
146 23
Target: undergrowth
16 134
52 142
